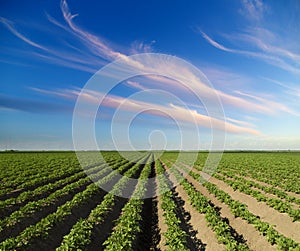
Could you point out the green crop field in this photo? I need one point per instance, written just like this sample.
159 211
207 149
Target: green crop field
252 202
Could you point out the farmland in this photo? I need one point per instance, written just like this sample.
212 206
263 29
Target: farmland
252 202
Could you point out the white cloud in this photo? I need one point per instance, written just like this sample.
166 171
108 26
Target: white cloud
240 122
253 9
141 47
290 88
214 43
101 50
267 42
270 54
9 25
178 113
95 44
135 84
269 104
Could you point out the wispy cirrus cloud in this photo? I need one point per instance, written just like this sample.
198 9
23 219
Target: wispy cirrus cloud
256 103
141 46
62 93
102 50
240 122
10 26
268 53
135 84
253 9
215 43
260 43
96 45
266 45
98 51
95 53
291 89
267 42
275 106
73 58
178 113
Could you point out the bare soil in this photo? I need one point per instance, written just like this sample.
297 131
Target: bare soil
253 238
294 205
282 221
161 225
37 216
199 223
269 185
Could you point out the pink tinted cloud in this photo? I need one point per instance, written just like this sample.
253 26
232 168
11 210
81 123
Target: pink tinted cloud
178 113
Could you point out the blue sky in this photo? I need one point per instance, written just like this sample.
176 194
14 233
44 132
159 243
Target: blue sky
249 51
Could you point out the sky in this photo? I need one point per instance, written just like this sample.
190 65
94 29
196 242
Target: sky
248 51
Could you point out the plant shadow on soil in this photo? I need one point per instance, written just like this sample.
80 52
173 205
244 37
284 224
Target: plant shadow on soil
149 237
56 234
193 243
238 237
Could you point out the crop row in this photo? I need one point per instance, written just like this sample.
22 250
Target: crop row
241 210
34 170
128 224
277 204
175 236
276 169
31 194
40 179
212 216
20 163
36 206
80 235
42 228
42 172
268 189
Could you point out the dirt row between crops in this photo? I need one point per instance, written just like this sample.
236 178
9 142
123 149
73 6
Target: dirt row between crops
269 195
149 237
57 233
161 225
16 192
269 185
34 218
253 238
198 222
282 222
200 236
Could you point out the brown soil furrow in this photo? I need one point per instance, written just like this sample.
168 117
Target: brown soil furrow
161 225
269 185
253 238
37 216
199 223
11 208
192 241
283 222
269 195
62 228
149 237
103 230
